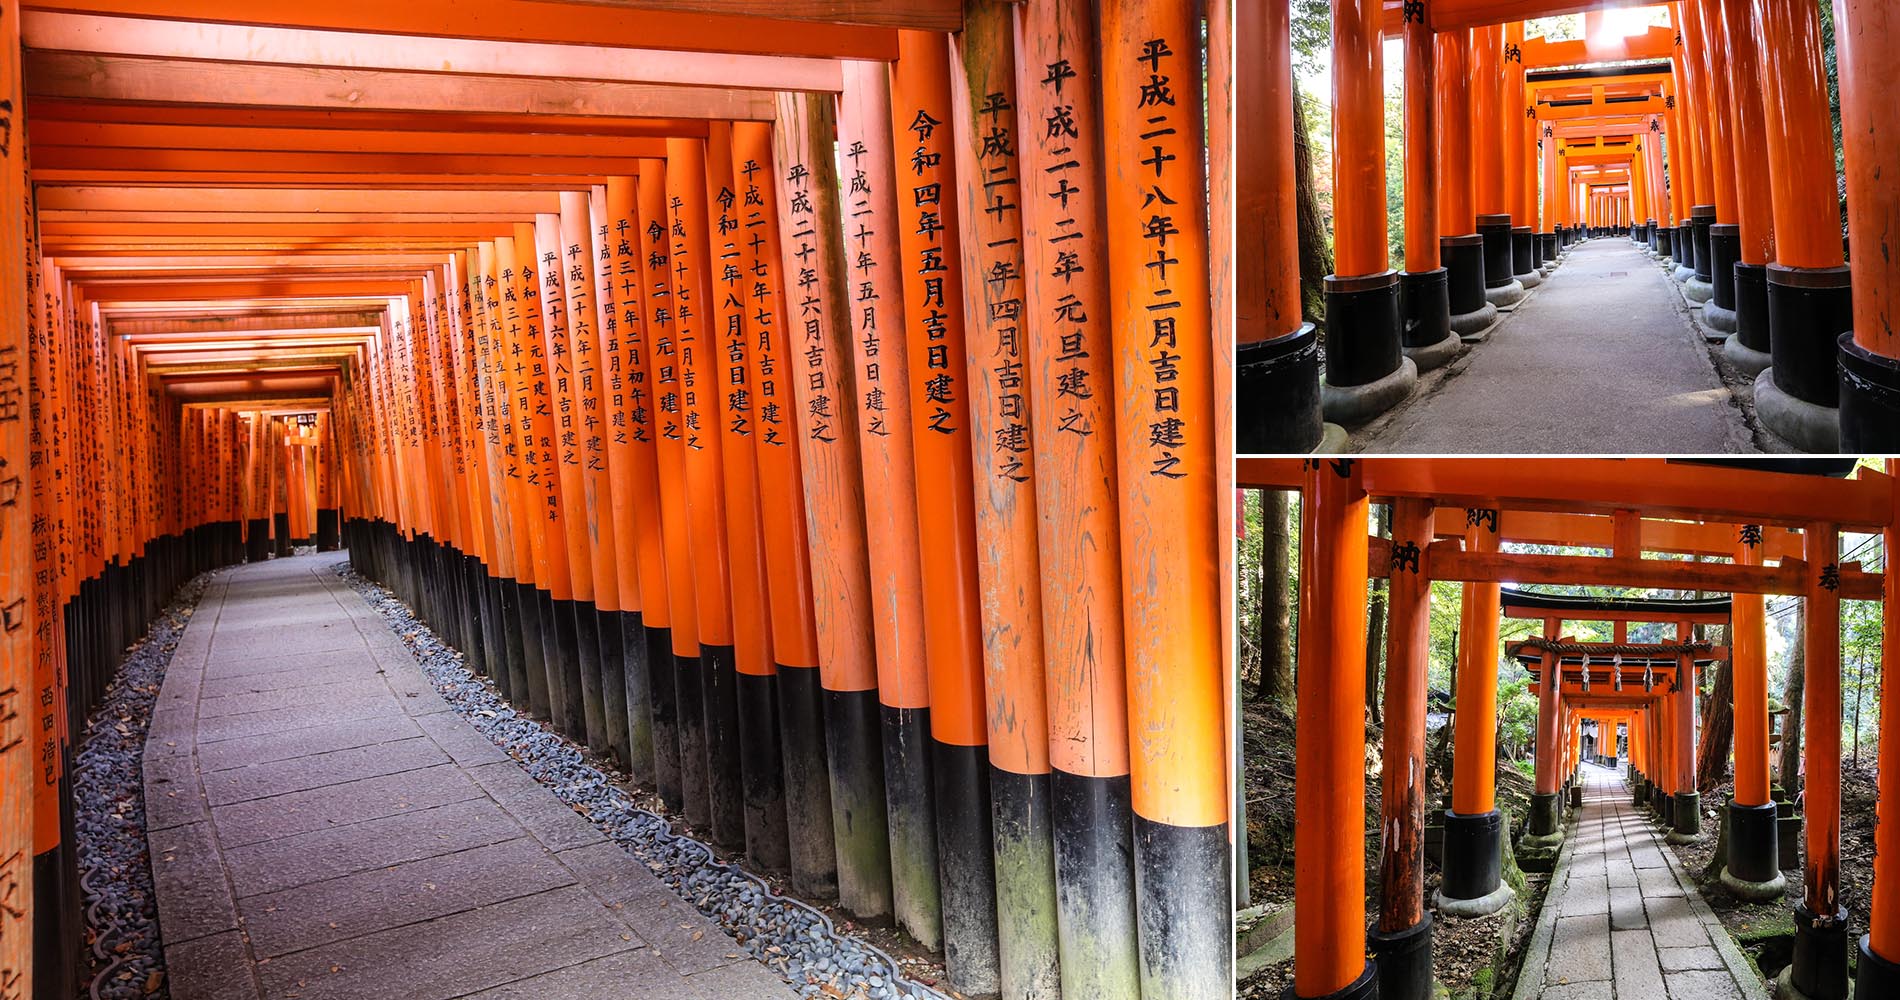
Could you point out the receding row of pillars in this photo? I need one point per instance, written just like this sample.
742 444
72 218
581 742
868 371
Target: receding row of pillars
1332 939
1744 206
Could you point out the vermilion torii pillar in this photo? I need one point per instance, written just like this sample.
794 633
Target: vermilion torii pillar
1501 287
1819 969
1877 972
1520 176
1401 941
1752 870
1329 946
1367 371
1687 818
1474 830
1715 188
1546 824
1867 39
1810 301
1424 286
1276 358
1462 248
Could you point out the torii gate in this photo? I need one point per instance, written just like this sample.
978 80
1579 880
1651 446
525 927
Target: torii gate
1749 515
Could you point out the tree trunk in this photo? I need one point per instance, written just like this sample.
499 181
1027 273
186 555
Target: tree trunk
1316 253
1276 646
1790 765
1718 730
1375 623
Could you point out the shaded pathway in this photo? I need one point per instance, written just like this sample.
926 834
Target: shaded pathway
1600 360
323 825
1622 921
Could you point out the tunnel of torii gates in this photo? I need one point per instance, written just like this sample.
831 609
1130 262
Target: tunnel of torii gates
817 415
1708 141
1779 532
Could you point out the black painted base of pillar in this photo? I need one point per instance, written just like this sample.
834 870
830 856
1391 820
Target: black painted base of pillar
1819 969
1751 306
1875 976
1753 853
1547 248
1523 252
1404 960
1687 821
1666 810
1366 987
1464 272
1869 400
1473 858
1808 310
1495 230
1701 217
1425 315
1362 335
1655 237
1546 813
1725 251
1276 392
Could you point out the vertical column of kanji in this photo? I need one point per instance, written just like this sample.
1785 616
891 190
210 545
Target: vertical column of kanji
460 546
679 765
622 644
463 565
472 473
711 779
751 705
20 789
871 279
744 701
534 438
636 484
989 189
811 848
1165 398
571 581
519 607
927 218
1065 253
569 281
834 450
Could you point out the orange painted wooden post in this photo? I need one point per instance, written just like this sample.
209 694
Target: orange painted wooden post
633 459
1809 288
1752 867
1546 810
812 848
1876 968
1461 247
1005 484
1520 183
681 774
1725 128
1072 378
1401 939
1424 286
1820 918
751 707
1473 827
821 333
1687 802
1276 382
1867 37
1367 371
527 671
1329 951
584 454
17 674
523 363
575 621
1162 337
928 227
1489 164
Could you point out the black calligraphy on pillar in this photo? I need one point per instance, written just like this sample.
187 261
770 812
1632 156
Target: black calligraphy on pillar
665 347
819 414
927 197
1482 517
763 304
731 292
1002 278
1751 535
1831 577
1074 412
1160 196
859 232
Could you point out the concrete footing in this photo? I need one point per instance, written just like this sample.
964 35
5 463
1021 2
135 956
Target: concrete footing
1505 296
1745 357
1696 290
1682 273
1435 355
1530 279
1475 327
1718 321
1755 892
1483 906
1807 426
1355 404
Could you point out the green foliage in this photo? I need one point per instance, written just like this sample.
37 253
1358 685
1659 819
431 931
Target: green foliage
1517 717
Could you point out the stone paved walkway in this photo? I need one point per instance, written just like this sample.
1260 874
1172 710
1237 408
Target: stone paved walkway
1622 921
323 825
1600 360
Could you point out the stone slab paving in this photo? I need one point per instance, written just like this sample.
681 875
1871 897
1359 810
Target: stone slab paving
1602 359
323 826
1622 921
